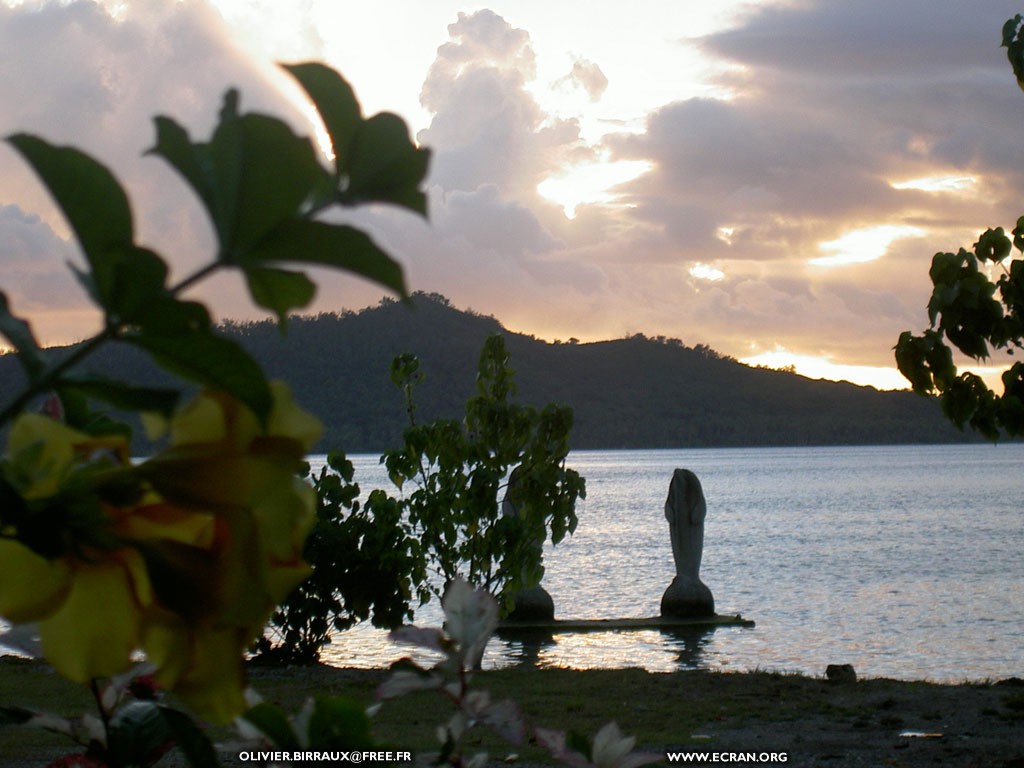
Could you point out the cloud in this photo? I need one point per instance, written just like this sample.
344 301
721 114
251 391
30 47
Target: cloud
76 74
491 225
494 242
815 110
866 39
33 259
587 76
829 104
486 127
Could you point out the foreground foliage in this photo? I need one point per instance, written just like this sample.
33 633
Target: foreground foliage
184 555
365 565
975 315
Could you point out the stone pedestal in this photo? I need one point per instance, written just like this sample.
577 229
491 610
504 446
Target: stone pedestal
685 599
533 604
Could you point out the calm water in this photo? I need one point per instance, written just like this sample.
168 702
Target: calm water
903 561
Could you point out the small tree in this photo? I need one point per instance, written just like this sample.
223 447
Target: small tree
372 560
975 315
461 469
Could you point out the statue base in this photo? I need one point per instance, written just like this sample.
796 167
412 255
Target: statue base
533 604
687 599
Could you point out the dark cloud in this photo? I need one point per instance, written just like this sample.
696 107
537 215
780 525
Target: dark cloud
27 242
830 105
867 39
491 225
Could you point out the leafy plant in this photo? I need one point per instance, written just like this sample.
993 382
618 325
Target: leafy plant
375 560
133 726
975 315
365 565
459 470
185 554
264 189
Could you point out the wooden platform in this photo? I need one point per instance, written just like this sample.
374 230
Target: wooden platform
621 625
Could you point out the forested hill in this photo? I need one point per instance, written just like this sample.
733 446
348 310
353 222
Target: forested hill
630 393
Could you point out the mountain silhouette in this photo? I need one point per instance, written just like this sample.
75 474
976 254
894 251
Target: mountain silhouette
635 392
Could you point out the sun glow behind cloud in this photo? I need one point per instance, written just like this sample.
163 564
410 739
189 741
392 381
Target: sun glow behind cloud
706 272
938 184
590 183
528 91
862 245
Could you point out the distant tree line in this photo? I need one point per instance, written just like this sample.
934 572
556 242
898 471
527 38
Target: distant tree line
635 392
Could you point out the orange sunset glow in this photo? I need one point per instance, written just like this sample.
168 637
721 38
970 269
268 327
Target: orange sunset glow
770 179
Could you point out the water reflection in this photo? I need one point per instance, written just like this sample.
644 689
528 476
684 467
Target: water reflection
664 650
688 645
656 650
526 647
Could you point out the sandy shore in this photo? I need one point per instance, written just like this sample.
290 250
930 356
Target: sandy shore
876 723
813 722
712 717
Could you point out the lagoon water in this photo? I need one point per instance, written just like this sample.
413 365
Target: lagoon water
905 561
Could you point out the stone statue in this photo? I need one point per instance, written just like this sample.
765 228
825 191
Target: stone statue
687 596
531 603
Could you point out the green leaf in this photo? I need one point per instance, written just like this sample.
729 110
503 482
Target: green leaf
254 174
961 400
120 394
1018 234
332 245
271 721
138 733
385 165
19 333
212 361
279 290
137 280
945 267
92 200
377 156
339 724
280 174
212 170
993 245
1014 47
336 102
578 743
80 416
192 161
193 743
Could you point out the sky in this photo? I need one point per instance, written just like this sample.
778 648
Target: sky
767 178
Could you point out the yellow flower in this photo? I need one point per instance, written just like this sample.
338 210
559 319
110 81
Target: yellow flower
221 460
188 565
89 599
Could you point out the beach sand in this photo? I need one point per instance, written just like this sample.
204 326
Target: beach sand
780 719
